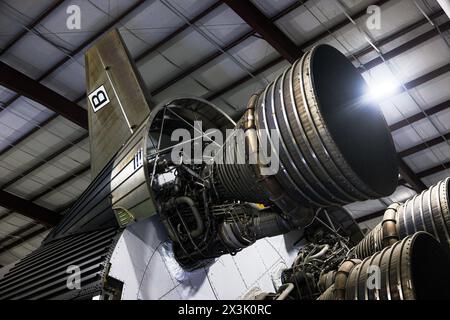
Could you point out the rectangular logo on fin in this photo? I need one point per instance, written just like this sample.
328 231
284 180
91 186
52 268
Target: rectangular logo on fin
98 98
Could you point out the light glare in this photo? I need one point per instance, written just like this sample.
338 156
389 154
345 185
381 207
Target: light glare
383 89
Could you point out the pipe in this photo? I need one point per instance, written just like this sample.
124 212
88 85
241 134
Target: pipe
342 274
381 236
198 219
172 204
389 225
287 289
325 248
239 233
326 280
328 294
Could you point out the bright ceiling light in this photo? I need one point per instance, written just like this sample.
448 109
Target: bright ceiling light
383 89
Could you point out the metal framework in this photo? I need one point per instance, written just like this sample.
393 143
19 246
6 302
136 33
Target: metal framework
428 144
264 26
25 86
23 239
81 47
28 209
204 61
410 177
433 170
371 216
421 115
406 46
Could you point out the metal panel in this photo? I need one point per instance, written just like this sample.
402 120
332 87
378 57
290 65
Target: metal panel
129 179
44 273
108 64
121 186
143 257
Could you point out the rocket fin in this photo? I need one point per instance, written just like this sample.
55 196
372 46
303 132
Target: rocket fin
117 98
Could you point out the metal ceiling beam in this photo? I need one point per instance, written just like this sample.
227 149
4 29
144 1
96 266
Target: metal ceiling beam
44 161
409 85
421 115
204 61
371 216
264 26
428 76
434 170
22 240
395 52
17 234
80 48
68 177
37 196
32 89
247 35
185 26
28 209
410 177
425 145
28 134
394 36
31 26
32 131
405 47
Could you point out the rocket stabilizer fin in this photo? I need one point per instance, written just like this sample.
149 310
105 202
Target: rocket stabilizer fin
117 98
